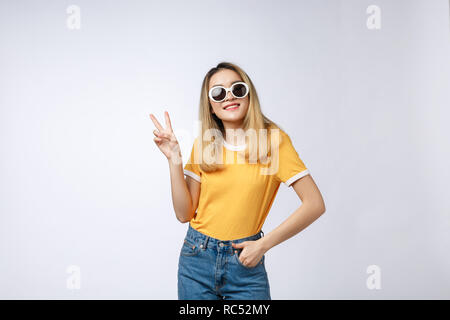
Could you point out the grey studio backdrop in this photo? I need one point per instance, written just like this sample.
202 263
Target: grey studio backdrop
362 88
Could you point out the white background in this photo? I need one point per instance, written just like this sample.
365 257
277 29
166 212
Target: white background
82 182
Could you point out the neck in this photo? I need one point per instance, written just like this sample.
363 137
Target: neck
239 134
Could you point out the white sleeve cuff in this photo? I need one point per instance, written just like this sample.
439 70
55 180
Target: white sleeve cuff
296 177
192 175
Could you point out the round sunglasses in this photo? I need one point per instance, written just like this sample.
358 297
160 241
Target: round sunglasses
219 93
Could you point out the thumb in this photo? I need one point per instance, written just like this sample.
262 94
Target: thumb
239 245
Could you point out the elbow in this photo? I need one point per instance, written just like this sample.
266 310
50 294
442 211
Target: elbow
322 208
318 207
185 219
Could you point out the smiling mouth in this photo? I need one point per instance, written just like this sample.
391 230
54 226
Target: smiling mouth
232 107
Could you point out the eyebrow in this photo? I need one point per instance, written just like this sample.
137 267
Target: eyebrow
223 85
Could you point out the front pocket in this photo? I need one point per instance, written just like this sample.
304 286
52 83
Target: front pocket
189 248
236 254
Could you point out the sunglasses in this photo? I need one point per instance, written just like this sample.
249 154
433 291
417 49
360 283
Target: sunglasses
219 93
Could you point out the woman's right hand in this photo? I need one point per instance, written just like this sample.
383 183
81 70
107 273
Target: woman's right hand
165 139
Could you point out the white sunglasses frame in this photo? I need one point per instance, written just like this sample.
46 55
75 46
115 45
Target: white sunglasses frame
228 89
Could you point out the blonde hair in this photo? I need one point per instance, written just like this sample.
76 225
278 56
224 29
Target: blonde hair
254 119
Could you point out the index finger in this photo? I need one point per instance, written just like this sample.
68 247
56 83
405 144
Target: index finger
168 124
155 121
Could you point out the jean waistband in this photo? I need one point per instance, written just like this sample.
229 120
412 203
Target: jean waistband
197 236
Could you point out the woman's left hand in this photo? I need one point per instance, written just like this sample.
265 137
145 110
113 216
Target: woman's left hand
252 252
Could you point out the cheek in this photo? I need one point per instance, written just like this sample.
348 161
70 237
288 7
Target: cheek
246 103
216 106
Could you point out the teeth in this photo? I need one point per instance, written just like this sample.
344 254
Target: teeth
234 105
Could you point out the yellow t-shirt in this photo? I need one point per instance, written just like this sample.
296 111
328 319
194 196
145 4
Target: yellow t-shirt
234 202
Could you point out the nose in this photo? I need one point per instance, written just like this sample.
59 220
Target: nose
230 95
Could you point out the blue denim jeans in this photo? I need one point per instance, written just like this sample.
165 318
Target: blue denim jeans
210 269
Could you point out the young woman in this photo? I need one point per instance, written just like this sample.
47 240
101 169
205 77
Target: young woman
225 192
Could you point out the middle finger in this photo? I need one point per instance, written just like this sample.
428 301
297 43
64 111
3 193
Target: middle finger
156 122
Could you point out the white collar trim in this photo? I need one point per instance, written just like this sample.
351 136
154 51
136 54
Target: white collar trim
233 147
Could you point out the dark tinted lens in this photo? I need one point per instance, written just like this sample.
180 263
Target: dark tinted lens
218 94
239 90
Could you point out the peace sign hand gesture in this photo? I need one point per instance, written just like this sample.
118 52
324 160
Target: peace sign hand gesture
165 139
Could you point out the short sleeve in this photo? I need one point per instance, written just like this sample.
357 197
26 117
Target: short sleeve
191 168
291 167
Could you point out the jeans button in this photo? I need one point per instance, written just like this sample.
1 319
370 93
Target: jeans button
221 244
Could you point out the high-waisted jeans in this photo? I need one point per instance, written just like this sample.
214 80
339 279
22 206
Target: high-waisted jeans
210 269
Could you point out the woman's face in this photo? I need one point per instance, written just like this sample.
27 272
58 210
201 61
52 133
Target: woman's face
231 118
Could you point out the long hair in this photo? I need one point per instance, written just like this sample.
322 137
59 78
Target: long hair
254 119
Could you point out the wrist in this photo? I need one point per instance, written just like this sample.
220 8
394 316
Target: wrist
264 243
175 158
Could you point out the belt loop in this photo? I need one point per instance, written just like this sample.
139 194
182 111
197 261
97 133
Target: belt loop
205 243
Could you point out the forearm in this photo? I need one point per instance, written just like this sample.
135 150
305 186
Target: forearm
181 197
306 214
